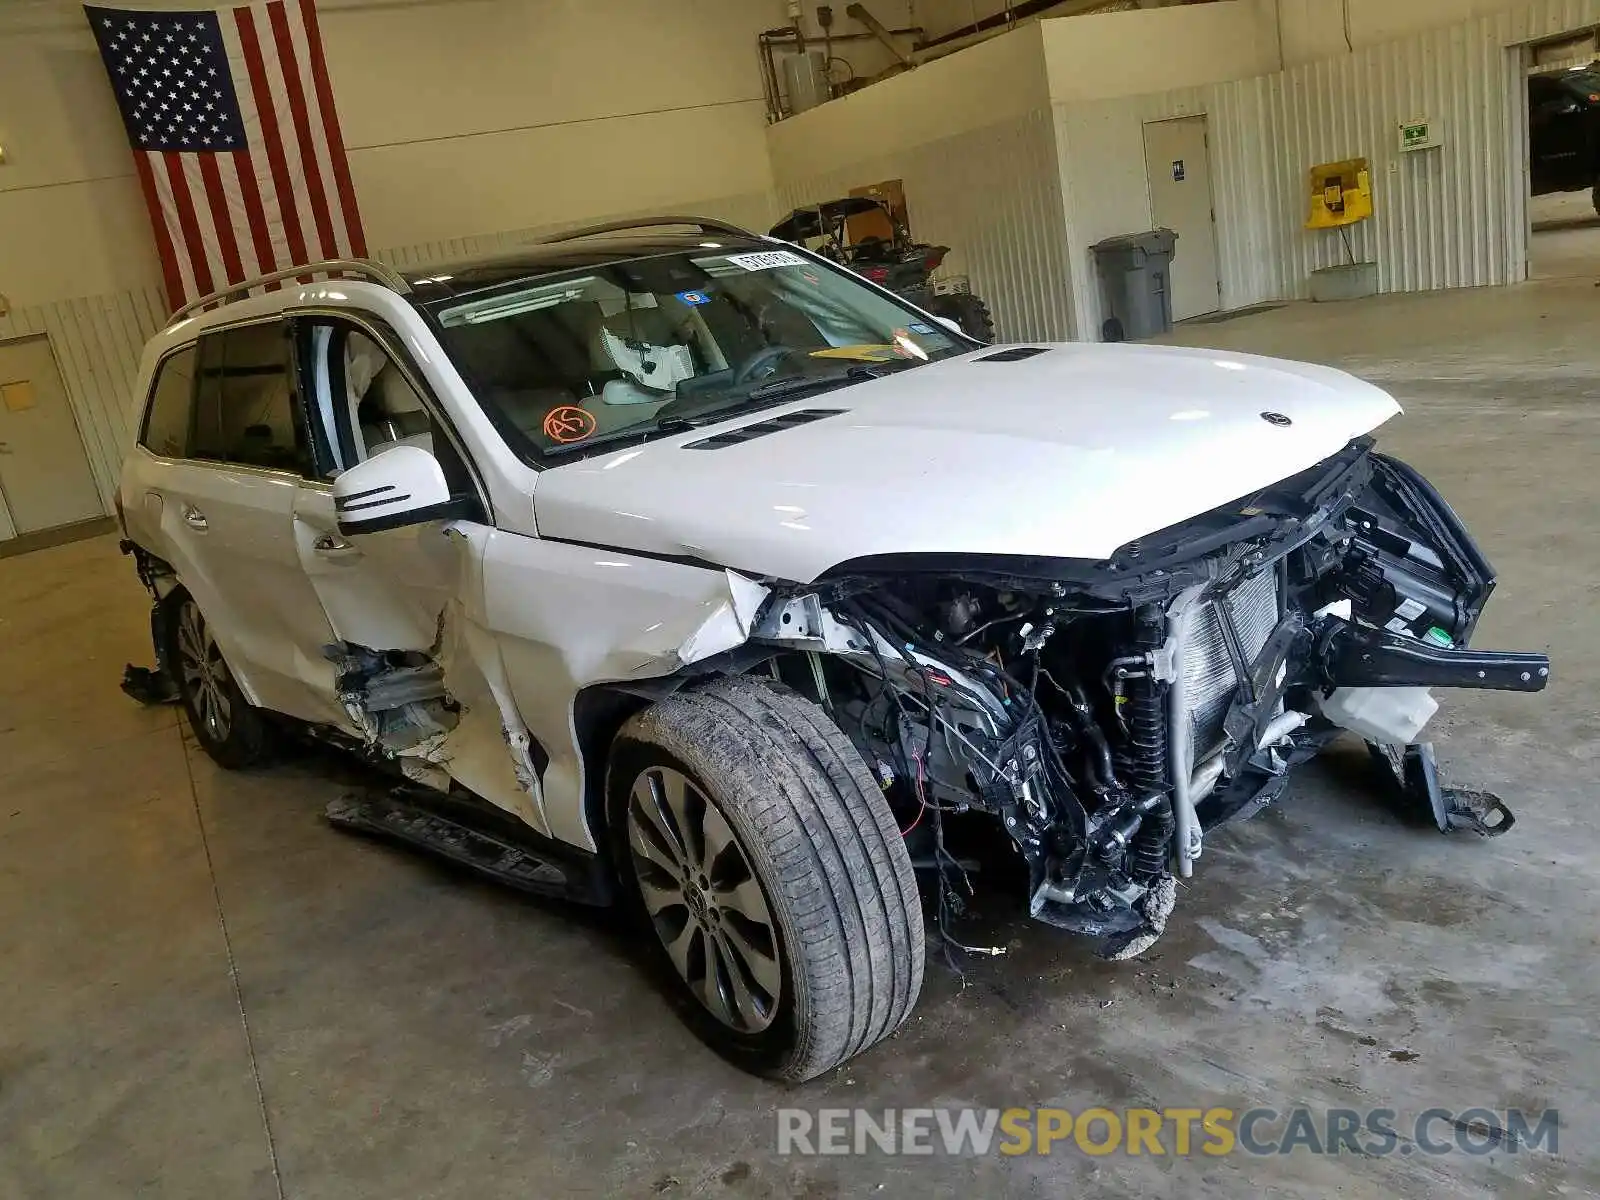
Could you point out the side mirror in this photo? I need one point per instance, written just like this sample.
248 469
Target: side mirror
953 325
403 485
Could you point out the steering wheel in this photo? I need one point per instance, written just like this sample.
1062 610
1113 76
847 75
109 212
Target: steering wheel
762 363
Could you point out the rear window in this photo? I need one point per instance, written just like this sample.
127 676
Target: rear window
246 410
167 418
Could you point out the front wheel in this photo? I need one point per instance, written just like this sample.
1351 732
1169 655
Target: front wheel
228 727
761 855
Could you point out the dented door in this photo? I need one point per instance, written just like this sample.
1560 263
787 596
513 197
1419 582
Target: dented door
404 606
385 591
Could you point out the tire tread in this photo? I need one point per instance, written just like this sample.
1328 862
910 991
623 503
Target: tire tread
850 910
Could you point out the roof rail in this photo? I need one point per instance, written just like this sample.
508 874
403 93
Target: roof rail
703 224
373 272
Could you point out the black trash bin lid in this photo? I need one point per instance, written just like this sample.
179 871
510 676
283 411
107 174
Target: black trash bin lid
1151 241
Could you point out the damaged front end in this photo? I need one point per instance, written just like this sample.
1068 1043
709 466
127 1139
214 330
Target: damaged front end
1111 713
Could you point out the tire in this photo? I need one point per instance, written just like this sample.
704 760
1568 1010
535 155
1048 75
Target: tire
228 727
1594 198
802 840
968 311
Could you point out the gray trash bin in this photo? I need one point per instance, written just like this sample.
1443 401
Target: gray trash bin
1135 269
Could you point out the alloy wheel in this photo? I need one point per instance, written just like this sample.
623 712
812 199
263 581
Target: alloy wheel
206 679
704 899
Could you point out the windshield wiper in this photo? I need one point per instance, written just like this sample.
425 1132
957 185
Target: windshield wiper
645 429
859 373
766 396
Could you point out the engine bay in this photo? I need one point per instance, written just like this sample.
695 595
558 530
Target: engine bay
1110 714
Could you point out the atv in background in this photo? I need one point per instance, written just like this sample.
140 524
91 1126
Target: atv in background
1564 132
897 263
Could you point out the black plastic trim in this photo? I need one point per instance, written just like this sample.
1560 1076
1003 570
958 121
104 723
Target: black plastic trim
347 507
746 433
461 508
345 501
1012 354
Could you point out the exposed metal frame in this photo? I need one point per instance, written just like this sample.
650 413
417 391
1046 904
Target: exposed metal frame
364 268
703 224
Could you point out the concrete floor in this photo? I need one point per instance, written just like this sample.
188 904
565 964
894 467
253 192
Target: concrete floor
204 992
1566 236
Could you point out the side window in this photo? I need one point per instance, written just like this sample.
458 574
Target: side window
246 411
167 417
361 402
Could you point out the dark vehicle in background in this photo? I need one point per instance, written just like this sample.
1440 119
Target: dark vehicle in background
1564 132
897 262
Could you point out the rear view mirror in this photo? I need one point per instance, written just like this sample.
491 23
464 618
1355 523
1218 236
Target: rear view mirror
953 325
404 485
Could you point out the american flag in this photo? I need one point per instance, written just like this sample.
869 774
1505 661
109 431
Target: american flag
230 116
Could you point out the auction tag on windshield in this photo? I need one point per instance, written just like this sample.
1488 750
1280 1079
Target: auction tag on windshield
765 260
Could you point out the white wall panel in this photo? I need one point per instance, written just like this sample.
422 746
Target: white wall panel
757 211
97 343
1448 217
993 196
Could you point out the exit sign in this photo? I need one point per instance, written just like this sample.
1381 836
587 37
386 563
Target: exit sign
1418 134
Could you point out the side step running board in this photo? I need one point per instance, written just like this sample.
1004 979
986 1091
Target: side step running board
475 835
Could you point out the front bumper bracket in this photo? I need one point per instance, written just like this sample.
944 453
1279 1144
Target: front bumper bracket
1355 656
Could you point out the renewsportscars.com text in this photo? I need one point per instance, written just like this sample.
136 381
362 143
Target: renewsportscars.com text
1177 1132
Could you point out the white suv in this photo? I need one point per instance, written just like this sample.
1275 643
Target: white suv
676 566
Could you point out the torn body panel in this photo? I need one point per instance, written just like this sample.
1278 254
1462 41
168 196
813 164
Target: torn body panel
568 618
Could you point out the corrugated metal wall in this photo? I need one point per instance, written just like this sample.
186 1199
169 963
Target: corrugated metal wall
993 196
1450 217
97 343
1020 202
751 210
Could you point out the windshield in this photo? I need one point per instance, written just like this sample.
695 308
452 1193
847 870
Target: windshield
568 363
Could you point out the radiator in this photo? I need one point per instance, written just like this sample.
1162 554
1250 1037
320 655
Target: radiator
1209 678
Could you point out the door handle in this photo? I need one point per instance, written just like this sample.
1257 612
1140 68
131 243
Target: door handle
195 519
330 546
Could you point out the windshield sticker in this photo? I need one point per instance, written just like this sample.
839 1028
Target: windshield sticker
568 423
765 260
695 298
920 327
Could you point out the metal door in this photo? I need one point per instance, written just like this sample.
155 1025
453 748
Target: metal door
45 479
1178 164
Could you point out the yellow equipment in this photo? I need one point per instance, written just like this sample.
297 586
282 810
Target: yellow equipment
1341 194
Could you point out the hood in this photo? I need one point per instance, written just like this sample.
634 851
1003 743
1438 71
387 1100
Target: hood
1068 452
